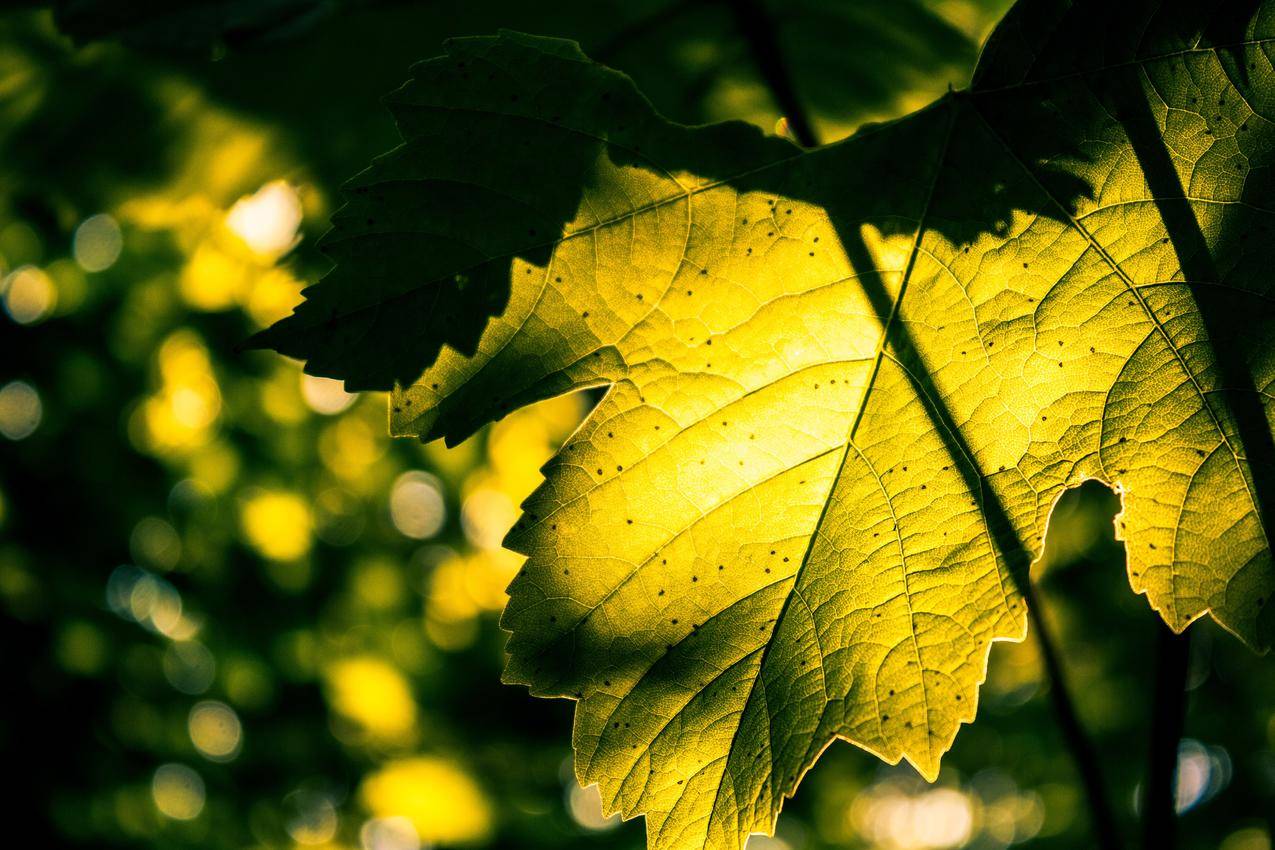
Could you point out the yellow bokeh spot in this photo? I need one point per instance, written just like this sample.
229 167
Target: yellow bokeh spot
97 243
441 801
326 395
20 410
247 682
70 282
417 508
1016 668
213 278
179 416
454 462
280 397
350 446
272 296
519 445
81 648
267 221
28 295
486 516
215 466
451 635
934 819
19 243
277 524
374 697
465 586
178 792
230 248
1252 838
215 730
585 806
378 584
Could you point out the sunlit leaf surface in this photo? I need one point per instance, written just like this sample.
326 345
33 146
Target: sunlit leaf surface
846 386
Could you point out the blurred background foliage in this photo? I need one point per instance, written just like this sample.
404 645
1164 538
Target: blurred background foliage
237 614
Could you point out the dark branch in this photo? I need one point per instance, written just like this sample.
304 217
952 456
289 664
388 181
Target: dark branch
1083 754
1234 377
1168 714
757 28
1010 548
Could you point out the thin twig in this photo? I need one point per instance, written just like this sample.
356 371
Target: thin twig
1168 715
1083 755
757 28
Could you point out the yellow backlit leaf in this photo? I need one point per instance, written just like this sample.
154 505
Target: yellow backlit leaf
845 386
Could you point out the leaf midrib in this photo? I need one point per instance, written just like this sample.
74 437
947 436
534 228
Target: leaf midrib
883 341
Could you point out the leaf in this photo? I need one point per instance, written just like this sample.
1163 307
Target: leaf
850 62
845 386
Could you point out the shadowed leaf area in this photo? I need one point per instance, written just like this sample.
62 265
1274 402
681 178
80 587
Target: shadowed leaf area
850 62
845 386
